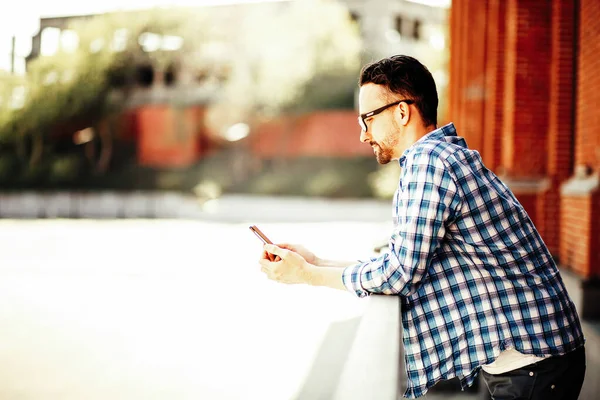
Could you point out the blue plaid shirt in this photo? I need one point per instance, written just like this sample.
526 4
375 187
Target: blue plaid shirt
473 273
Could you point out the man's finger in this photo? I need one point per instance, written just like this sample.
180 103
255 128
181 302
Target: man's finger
271 248
264 255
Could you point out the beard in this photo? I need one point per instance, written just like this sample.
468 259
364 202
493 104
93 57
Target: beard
384 150
382 154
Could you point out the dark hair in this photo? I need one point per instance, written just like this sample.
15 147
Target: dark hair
409 78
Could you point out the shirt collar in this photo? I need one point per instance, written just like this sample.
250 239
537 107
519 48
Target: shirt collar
436 134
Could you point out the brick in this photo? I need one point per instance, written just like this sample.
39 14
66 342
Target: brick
539 114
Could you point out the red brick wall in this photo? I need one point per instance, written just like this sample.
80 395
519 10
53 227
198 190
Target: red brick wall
527 82
580 214
562 90
167 136
529 111
467 71
458 29
548 208
473 88
574 252
495 70
580 239
529 202
561 128
454 63
526 69
588 89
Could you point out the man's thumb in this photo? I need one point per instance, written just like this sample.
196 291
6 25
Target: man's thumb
271 248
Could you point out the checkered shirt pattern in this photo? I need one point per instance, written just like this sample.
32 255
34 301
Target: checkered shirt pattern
472 272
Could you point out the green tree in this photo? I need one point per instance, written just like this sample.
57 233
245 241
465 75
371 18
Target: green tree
288 59
258 60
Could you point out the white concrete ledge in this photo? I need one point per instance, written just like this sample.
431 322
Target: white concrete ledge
375 364
228 208
97 205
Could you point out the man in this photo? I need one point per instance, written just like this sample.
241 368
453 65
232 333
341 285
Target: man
478 285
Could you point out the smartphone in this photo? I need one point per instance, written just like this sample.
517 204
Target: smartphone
265 240
260 235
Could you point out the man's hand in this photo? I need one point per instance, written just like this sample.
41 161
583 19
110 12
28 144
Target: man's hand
309 256
292 268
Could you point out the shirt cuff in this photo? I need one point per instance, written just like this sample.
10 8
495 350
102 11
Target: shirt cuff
369 260
351 279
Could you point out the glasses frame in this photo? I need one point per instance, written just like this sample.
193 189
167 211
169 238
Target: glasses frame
362 117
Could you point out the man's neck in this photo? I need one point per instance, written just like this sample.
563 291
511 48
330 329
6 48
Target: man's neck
420 131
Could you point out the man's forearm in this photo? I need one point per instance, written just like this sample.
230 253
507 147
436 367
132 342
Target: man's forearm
326 276
334 263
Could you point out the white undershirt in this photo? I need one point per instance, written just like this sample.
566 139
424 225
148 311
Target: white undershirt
509 360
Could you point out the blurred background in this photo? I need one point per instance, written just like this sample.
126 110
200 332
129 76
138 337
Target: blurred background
201 97
139 139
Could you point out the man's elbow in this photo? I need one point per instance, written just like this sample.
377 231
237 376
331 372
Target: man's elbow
387 281
404 282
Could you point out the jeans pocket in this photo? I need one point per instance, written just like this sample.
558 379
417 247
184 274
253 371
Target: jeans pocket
513 385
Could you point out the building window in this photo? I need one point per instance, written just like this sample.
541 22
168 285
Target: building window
145 75
50 41
416 33
119 41
69 41
170 76
399 24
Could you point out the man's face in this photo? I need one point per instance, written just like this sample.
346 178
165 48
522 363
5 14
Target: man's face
383 130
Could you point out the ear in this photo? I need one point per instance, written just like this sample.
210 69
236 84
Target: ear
403 112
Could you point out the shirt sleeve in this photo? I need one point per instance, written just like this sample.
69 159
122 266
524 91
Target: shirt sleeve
427 204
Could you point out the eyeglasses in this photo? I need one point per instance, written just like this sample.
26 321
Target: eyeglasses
362 117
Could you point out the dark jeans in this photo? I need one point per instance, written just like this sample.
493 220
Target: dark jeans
559 377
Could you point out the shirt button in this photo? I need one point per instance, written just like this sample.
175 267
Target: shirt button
531 374
552 387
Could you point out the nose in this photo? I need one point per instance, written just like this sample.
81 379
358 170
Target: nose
365 136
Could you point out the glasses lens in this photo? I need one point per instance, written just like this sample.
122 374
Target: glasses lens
362 124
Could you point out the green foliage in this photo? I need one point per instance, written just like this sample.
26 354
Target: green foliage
271 56
312 38
312 176
65 168
9 85
9 163
70 85
261 60
288 59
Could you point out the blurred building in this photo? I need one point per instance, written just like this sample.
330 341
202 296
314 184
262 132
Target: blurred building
387 28
399 27
164 136
524 90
